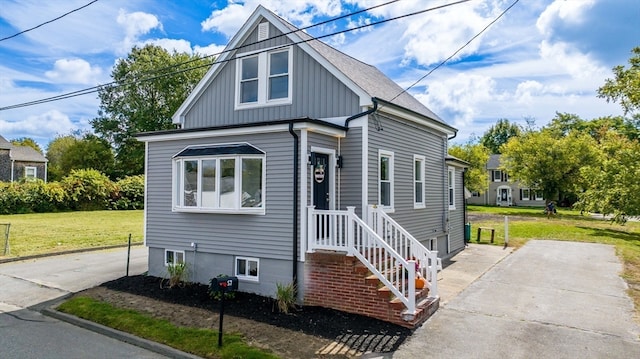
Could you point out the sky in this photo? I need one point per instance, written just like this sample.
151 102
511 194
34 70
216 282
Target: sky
539 58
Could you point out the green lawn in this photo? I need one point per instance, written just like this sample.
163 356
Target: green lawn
568 225
39 233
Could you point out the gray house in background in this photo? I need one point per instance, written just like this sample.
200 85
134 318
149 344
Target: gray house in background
504 192
295 163
18 162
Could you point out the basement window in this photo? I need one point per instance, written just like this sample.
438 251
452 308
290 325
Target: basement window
247 268
172 257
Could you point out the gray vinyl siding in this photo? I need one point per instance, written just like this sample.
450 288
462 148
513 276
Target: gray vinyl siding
351 171
263 236
316 93
405 139
456 218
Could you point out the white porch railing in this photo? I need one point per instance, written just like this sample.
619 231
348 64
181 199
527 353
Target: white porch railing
345 231
406 245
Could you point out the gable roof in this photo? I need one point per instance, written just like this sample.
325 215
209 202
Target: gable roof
21 153
365 80
494 162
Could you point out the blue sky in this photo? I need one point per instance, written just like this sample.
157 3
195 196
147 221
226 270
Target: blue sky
541 57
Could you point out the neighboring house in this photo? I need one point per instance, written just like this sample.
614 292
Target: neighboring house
504 192
18 162
295 163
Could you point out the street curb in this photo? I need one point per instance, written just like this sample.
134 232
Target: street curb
117 334
80 250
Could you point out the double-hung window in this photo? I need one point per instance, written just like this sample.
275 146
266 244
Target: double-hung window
418 182
30 172
219 178
452 187
264 78
385 179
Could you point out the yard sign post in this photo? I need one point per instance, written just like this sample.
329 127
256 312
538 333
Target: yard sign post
7 248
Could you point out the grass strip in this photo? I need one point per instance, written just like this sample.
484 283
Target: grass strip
48 233
198 341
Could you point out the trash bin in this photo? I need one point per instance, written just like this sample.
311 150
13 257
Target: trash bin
467 232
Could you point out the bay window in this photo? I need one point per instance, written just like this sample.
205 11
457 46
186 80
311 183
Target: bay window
225 178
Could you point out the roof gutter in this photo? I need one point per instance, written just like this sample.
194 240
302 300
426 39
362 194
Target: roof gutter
365 113
296 165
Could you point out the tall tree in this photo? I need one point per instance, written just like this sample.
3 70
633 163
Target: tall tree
499 134
625 87
149 86
611 185
477 155
26 141
55 153
90 152
552 165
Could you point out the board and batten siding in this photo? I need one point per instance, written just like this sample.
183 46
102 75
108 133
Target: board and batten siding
406 139
263 236
456 231
351 172
316 93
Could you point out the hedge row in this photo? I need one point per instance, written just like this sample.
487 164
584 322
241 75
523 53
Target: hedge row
81 190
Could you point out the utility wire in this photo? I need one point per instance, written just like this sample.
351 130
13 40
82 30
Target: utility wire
457 51
47 22
99 87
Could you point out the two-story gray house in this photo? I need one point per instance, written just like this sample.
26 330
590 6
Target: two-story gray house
503 191
296 163
20 162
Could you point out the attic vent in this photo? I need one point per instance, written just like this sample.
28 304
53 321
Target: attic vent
263 31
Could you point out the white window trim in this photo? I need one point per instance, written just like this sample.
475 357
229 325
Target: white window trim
391 207
28 168
451 187
493 174
528 196
175 255
247 277
263 79
421 159
178 192
540 197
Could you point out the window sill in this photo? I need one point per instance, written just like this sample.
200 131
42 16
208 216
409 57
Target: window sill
252 105
419 206
260 211
248 279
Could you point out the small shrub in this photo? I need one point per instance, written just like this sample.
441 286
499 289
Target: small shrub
129 193
215 292
286 297
177 274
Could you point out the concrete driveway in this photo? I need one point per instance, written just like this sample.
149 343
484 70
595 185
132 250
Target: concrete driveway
549 299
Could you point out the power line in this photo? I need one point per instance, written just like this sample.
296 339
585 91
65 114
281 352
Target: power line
47 22
98 87
457 51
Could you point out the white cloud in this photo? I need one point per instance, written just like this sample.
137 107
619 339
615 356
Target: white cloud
76 71
562 12
171 45
135 24
573 62
212 49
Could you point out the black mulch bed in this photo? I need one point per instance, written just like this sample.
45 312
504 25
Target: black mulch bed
311 320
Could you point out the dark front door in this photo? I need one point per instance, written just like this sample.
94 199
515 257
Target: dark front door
320 178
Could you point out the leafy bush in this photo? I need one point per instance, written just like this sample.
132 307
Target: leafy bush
129 193
88 190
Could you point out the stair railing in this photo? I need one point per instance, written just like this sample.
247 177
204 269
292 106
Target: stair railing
345 231
406 245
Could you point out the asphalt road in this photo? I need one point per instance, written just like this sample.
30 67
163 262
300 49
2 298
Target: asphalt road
548 299
24 285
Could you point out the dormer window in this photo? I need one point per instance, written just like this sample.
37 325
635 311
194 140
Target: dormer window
264 79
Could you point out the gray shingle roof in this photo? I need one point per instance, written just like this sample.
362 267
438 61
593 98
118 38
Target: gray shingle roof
21 153
494 162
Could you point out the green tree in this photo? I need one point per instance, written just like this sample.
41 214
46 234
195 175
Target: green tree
564 123
612 183
499 134
26 141
89 152
477 155
625 87
149 86
552 165
55 153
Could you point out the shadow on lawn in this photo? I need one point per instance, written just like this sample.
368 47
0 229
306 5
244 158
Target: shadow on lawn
613 233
